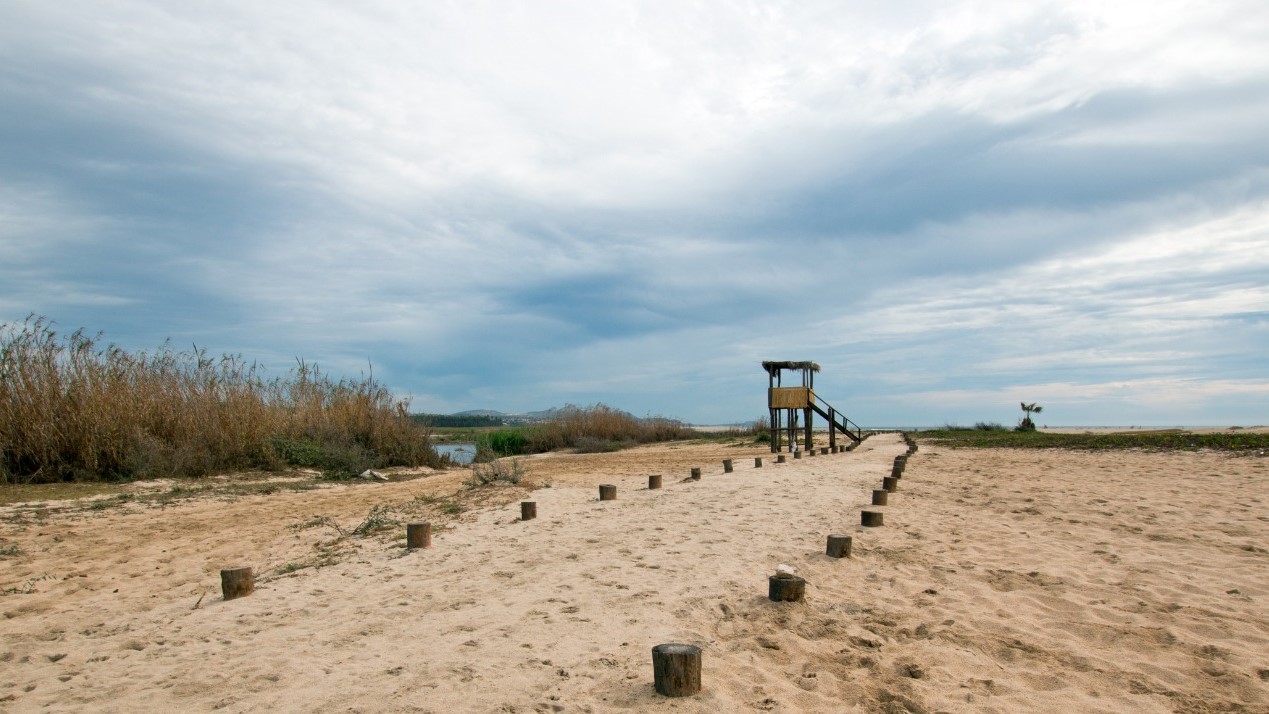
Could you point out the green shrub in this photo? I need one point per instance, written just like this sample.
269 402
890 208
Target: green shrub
505 442
299 452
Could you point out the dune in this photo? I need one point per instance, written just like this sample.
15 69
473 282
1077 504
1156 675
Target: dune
1002 581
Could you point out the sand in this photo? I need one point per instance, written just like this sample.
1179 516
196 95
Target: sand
1002 581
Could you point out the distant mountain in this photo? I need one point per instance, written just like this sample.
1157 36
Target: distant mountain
542 415
480 412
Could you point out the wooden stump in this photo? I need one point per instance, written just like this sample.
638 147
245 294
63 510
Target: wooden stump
237 582
654 481
780 459
676 669
786 588
727 466
757 462
890 483
419 535
607 492
823 451
696 473
870 519
880 496
528 510
839 546
797 454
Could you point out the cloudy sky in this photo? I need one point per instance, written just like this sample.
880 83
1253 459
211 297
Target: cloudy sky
951 206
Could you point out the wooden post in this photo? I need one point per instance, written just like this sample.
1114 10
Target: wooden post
775 429
676 669
780 459
870 519
757 462
823 450
890 483
880 496
528 510
727 466
839 546
237 582
797 454
810 444
832 430
607 492
696 473
419 535
654 481
789 588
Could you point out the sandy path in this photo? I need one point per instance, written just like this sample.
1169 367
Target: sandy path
1003 581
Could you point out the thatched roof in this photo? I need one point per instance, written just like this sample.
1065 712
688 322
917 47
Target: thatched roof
771 367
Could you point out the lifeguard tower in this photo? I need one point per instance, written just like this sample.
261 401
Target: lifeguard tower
784 403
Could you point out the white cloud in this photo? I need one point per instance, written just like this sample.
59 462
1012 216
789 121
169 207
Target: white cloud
651 196
596 105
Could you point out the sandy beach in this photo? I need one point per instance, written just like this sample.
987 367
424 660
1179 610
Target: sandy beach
1002 581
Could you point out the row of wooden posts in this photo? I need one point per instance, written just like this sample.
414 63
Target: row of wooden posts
676 667
788 588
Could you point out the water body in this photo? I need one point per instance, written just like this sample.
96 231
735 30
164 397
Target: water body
458 453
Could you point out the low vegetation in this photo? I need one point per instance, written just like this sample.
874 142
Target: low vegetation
603 423
1027 424
593 429
1160 440
509 471
73 409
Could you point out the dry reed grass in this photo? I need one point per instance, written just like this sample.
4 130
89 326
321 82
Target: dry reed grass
71 409
580 426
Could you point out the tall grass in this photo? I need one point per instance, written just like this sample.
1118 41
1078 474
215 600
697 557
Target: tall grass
596 428
73 409
588 427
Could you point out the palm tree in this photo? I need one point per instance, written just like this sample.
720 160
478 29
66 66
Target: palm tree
1032 408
